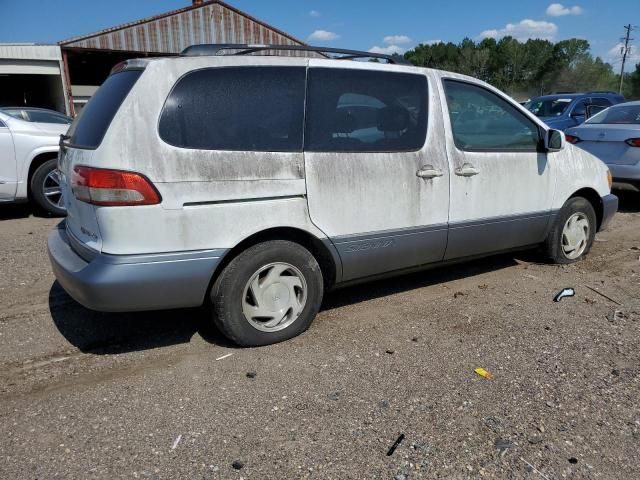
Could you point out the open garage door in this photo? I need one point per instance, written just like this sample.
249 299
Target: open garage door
32 90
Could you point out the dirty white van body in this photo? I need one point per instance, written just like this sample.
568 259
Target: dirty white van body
261 234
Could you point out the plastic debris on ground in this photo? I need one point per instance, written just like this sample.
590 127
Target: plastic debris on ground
565 292
483 373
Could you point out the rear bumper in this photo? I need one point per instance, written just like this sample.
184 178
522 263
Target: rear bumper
625 173
120 283
609 209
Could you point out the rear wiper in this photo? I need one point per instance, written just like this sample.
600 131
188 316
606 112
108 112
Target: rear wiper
61 143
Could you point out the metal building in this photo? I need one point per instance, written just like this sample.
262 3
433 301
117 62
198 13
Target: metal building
87 59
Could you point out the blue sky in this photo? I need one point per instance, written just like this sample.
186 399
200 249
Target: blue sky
392 25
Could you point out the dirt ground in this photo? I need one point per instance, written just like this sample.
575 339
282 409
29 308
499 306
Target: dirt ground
154 395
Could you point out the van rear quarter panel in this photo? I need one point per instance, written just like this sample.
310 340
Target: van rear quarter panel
260 190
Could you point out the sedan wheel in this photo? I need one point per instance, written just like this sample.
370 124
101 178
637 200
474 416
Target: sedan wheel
45 188
52 190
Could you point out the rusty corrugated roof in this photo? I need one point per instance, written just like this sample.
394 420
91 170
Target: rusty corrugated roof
212 21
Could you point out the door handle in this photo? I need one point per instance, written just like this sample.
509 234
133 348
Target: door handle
427 171
467 170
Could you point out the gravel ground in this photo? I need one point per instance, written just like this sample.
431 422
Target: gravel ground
156 395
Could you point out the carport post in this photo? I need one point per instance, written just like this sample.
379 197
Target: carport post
68 96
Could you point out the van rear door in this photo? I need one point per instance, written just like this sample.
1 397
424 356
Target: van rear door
79 147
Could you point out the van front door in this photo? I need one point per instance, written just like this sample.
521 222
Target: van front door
376 171
8 175
501 184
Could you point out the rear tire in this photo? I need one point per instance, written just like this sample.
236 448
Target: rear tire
572 233
269 293
45 188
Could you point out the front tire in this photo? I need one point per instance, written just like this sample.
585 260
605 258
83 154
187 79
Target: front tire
269 293
573 232
45 188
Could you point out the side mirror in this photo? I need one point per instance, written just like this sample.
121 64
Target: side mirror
554 141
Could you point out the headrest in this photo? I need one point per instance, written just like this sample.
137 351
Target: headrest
393 119
344 121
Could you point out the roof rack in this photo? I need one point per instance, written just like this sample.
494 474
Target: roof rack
604 91
210 49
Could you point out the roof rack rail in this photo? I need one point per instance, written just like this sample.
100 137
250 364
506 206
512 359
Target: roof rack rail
604 91
210 49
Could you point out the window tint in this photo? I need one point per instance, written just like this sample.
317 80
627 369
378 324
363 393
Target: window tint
89 128
601 101
580 108
365 111
237 108
2 125
548 108
14 112
42 116
482 121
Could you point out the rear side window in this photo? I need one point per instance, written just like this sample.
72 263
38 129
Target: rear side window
365 111
618 115
482 121
88 130
236 108
601 102
42 116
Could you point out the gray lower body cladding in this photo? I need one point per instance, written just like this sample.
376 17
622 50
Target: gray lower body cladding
609 209
369 254
467 239
118 283
379 252
176 280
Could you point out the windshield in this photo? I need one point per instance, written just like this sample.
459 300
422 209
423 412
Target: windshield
622 115
548 108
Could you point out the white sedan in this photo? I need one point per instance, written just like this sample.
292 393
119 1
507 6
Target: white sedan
29 139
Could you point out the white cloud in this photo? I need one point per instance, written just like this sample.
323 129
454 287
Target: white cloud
559 10
388 50
314 13
323 36
396 39
614 56
432 42
524 30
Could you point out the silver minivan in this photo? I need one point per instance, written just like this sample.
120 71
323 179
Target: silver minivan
255 178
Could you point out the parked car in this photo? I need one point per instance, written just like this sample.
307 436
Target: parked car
254 184
565 110
613 136
38 115
29 140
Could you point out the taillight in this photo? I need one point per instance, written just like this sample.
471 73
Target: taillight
112 188
572 138
633 142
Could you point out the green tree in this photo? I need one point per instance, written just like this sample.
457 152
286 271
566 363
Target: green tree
523 69
632 84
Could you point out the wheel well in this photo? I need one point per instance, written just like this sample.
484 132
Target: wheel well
35 163
317 248
594 199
